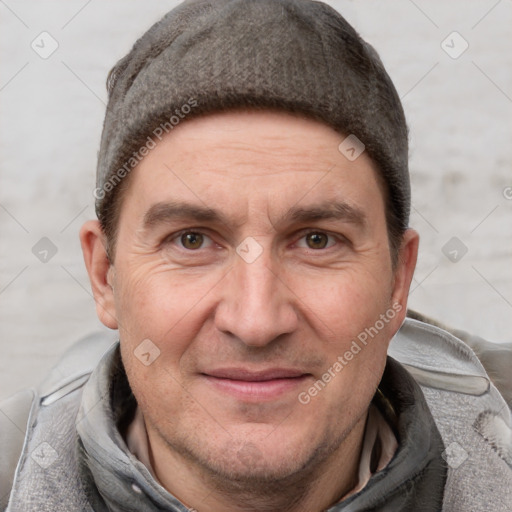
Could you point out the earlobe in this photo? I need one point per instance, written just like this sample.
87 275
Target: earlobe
100 271
405 270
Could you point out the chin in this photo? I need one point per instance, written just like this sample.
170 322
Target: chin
248 467
245 461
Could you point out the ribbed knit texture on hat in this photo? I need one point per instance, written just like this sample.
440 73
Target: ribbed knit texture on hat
291 55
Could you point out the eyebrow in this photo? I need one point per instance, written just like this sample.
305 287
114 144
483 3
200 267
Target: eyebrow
339 210
173 210
166 212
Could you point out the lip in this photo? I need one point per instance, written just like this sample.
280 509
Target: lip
256 385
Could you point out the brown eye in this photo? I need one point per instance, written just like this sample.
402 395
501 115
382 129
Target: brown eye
317 240
192 240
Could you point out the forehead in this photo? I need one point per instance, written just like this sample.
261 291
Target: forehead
254 160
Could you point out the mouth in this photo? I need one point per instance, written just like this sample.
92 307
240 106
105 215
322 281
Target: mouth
260 385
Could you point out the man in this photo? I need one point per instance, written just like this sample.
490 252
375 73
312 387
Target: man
253 251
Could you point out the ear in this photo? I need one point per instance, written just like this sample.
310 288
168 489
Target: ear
100 271
404 272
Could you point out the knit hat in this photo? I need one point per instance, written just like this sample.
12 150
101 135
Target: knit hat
292 55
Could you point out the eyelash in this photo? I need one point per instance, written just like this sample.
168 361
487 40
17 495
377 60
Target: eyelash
177 236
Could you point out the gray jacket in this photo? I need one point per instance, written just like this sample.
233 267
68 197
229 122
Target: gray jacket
454 431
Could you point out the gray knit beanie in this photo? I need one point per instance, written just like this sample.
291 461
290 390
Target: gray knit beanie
293 55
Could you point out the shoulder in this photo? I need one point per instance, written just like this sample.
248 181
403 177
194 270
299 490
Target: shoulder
14 413
74 367
496 358
68 375
473 418
438 359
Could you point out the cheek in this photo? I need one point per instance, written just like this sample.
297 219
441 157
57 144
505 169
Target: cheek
345 302
353 315
158 315
165 306
149 298
157 388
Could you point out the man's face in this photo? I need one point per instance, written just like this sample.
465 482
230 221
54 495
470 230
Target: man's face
248 304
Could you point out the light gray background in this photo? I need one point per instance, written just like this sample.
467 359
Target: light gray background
459 113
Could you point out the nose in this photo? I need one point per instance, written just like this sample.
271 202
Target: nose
257 306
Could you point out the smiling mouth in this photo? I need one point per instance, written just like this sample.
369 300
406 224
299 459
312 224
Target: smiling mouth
256 385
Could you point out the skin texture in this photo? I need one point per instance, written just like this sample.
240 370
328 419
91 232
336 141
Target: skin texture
299 305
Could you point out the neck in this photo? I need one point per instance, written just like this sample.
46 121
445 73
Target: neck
329 474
